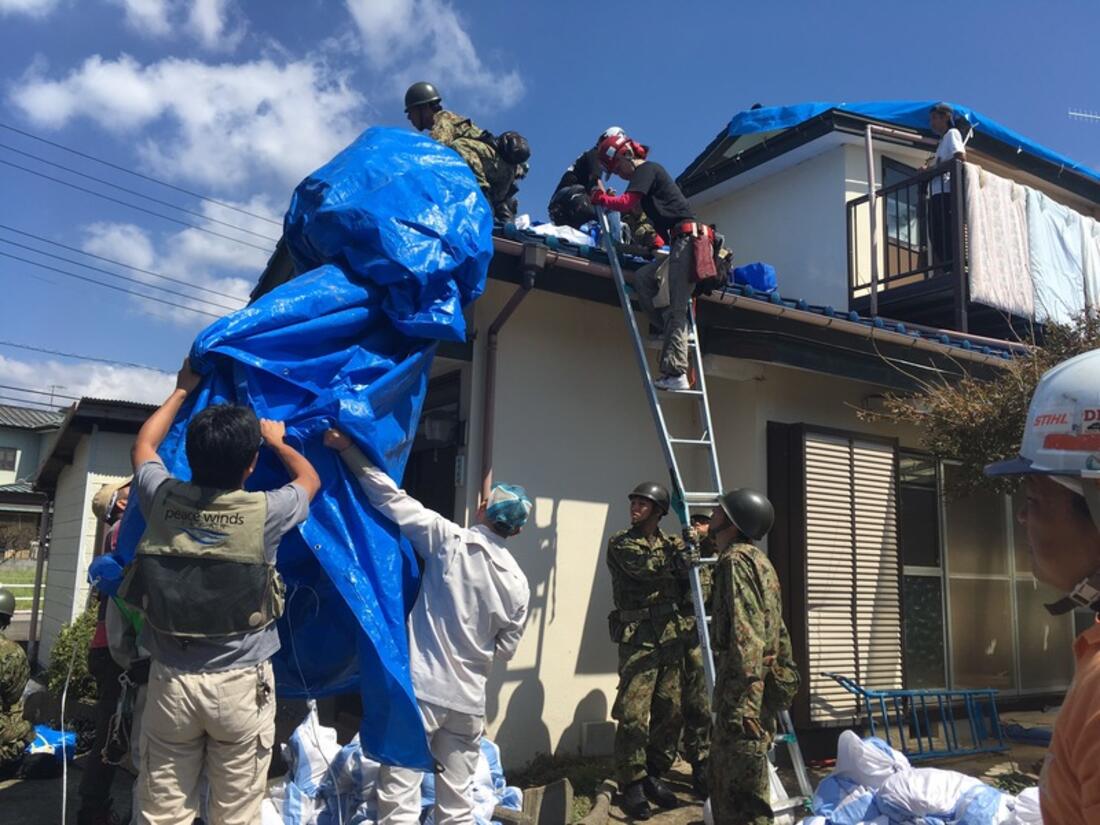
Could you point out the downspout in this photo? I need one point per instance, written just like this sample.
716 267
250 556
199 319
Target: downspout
39 569
532 262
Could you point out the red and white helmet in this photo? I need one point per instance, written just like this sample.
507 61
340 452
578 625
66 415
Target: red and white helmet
613 147
1062 434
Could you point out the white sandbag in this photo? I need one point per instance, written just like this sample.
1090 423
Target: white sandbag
984 805
778 794
923 792
1027 808
565 233
843 801
310 751
868 762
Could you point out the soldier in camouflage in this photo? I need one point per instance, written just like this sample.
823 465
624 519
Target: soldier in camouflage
695 706
15 731
646 625
757 677
480 149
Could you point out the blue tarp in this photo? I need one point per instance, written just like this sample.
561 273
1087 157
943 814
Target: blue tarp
909 113
397 238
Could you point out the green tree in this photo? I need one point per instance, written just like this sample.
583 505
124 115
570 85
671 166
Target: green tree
978 420
71 649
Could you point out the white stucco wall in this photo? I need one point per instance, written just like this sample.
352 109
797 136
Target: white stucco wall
99 458
573 426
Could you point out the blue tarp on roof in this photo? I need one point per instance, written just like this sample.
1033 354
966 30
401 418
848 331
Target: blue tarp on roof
910 113
398 238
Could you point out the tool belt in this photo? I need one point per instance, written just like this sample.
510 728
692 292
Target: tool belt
694 229
654 611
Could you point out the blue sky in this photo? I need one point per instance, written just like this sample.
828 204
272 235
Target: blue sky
238 100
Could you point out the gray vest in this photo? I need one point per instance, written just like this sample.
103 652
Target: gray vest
200 569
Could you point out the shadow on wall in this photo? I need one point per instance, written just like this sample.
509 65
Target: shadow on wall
523 718
592 708
597 654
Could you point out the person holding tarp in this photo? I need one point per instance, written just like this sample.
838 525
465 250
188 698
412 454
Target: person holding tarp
471 610
1059 462
204 578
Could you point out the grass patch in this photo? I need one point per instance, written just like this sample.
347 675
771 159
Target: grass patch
10 575
585 774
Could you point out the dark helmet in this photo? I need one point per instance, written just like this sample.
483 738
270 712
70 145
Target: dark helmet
750 512
7 603
657 493
514 148
570 206
421 94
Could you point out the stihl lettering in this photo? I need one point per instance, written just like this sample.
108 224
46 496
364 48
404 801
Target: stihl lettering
1051 420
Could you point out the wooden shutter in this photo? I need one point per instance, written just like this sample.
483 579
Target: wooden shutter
853 610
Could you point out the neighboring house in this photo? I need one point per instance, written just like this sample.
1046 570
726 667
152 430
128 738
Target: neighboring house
24 433
91 448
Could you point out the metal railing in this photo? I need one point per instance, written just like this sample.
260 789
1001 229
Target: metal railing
907 234
22 599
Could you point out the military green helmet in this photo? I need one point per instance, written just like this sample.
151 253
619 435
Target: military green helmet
7 603
750 512
652 491
421 94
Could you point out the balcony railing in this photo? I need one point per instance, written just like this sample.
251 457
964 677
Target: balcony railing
910 233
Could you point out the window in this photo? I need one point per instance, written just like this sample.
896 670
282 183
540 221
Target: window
8 457
902 209
922 581
1001 634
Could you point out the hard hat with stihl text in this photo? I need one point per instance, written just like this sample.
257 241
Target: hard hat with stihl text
1062 433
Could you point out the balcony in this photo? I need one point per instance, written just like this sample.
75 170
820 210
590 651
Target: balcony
908 256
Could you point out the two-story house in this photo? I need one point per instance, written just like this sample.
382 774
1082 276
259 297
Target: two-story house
885 579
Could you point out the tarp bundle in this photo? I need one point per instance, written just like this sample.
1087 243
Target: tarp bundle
396 237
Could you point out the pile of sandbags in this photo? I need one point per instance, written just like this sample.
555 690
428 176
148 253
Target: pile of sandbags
327 784
873 784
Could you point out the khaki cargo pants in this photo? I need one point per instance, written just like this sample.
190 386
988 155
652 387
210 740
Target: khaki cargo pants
220 724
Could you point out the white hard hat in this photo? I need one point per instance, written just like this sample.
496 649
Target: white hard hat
1062 434
611 131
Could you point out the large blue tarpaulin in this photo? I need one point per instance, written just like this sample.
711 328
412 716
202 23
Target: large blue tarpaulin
394 238
910 113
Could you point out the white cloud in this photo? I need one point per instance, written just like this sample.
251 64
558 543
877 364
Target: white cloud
427 40
209 22
149 17
84 379
228 122
206 264
32 8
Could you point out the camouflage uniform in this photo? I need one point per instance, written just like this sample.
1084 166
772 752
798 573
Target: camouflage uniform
495 176
646 625
756 679
642 231
15 732
695 744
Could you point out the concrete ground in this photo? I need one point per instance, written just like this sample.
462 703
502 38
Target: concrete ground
38 801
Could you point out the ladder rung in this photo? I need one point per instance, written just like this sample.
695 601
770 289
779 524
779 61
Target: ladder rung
680 392
698 442
793 803
692 498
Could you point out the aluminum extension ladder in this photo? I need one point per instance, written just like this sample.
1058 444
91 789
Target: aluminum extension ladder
684 501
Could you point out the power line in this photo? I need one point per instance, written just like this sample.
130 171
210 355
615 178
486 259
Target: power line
38 405
60 354
50 393
109 286
134 192
86 156
126 278
119 263
136 207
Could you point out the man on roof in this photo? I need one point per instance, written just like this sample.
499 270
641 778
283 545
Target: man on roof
496 161
570 204
691 258
1059 461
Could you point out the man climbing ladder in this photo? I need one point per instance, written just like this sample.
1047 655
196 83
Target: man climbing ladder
770 671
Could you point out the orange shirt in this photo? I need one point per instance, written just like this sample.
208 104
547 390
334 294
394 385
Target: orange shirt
1069 789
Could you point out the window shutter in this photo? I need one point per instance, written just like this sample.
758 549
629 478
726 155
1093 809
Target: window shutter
853 609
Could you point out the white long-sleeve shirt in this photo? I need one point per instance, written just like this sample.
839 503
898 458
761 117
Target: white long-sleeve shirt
473 596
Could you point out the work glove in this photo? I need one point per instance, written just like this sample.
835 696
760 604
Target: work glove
105 574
